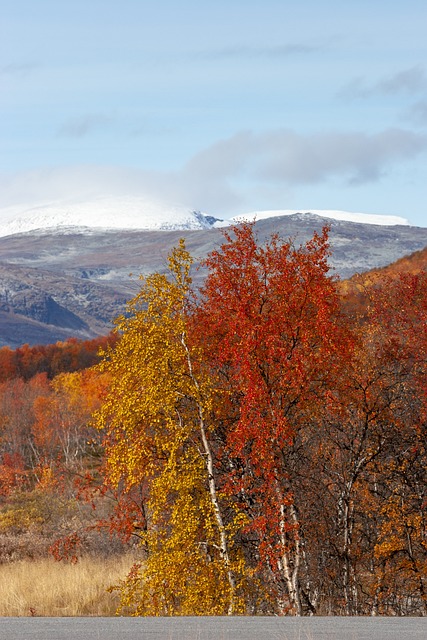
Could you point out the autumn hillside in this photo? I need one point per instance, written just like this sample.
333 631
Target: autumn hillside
357 289
257 448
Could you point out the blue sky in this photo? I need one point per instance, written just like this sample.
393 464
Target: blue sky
226 106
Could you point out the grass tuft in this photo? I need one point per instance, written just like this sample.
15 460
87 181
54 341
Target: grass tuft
47 588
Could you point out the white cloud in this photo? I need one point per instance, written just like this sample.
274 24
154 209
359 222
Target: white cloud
411 80
407 81
286 157
225 176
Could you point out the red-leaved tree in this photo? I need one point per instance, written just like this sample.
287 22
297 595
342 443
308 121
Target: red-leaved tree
270 322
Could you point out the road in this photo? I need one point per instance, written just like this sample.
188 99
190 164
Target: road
209 628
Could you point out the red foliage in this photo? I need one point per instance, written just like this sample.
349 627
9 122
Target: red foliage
12 473
270 317
62 357
67 548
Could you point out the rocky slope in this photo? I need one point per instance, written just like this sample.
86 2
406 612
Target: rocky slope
57 283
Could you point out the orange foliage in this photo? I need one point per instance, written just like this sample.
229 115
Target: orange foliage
62 357
265 438
12 473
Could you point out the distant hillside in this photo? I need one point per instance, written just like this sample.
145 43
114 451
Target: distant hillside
142 214
56 284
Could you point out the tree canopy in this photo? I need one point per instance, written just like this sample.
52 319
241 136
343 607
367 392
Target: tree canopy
262 437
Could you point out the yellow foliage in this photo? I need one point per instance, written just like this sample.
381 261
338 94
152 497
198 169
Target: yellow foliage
155 417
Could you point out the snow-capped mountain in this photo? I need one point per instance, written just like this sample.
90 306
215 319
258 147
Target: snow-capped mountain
65 268
102 213
65 265
140 213
347 216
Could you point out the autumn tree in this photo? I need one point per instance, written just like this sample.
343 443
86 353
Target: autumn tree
264 439
272 327
158 424
398 312
370 458
62 416
53 359
17 399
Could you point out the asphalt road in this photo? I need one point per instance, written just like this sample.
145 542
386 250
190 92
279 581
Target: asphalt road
209 628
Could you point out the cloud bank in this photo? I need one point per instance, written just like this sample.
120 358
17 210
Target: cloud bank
409 81
223 176
286 158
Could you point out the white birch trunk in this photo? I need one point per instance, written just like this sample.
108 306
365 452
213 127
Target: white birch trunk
223 547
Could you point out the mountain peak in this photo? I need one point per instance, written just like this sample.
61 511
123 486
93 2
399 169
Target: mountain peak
130 212
330 214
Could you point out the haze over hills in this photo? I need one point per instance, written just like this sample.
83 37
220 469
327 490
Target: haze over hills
64 268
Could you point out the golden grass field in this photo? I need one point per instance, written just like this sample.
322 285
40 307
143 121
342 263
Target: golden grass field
48 588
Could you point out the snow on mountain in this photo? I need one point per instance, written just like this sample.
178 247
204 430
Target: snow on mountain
363 218
102 213
139 213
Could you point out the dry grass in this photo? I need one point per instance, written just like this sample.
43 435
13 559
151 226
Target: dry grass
48 588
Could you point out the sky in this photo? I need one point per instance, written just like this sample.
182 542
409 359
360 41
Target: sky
225 106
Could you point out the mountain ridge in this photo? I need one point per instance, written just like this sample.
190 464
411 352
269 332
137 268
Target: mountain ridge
140 213
103 213
56 285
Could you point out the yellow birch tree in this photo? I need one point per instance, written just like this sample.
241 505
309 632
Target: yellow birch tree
158 424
